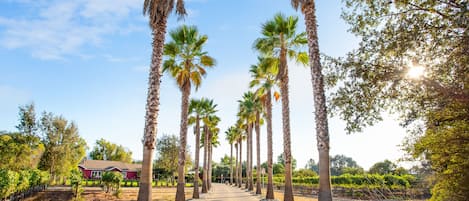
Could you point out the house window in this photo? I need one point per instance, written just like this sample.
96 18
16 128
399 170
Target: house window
124 174
95 174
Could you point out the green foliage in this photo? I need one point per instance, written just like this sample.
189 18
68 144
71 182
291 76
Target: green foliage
353 170
396 35
27 121
8 182
167 150
304 173
76 178
112 181
340 162
278 168
384 167
64 146
357 181
312 165
12 182
23 180
105 150
186 61
19 151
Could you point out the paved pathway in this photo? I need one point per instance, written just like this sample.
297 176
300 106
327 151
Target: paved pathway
223 192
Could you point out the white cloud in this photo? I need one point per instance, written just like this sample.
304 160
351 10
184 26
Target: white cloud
141 68
64 28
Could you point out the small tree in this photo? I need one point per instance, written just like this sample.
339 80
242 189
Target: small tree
112 181
75 181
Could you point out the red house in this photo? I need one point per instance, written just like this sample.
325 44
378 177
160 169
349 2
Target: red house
93 169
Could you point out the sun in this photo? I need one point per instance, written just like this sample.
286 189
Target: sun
416 72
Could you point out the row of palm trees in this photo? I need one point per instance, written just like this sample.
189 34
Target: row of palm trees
186 64
279 42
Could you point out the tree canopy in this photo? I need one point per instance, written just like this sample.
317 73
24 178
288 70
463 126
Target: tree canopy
64 148
413 60
341 163
167 149
105 150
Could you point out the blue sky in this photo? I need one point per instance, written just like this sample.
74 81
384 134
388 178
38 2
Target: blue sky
88 61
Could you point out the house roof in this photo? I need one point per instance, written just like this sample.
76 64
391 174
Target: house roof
108 165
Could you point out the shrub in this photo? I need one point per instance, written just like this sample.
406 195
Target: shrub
8 182
111 181
23 181
76 178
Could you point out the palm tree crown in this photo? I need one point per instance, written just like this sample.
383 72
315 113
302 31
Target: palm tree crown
157 9
281 41
186 60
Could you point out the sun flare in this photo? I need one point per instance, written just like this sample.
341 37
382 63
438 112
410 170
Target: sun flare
416 72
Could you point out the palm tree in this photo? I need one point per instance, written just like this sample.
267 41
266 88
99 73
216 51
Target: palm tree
158 12
308 9
263 78
241 137
236 136
209 110
197 108
212 133
230 137
210 140
281 41
186 63
250 108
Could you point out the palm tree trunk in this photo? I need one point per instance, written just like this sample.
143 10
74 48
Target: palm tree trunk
248 148
195 194
210 147
270 183
231 163
288 193
240 171
258 153
251 151
152 108
322 131
236 165
180 195
204 175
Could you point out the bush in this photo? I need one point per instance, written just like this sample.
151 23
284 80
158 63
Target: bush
361 180
8 182
76 178
111 181
23 181
35 178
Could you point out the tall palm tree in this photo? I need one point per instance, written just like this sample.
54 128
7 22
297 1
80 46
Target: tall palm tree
197 107
236 136
186 63
213 131
158 12
308 9
280 40
245 125
230 137
263 79
209 110
240 127
250 108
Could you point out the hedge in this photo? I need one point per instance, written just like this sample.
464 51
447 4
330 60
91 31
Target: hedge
388 180
12 182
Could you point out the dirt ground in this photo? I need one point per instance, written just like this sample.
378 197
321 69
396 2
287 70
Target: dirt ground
97 194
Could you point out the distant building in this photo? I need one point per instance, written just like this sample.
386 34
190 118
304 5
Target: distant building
93 169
